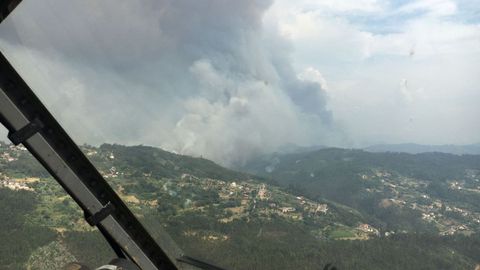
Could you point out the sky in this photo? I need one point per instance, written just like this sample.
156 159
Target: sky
229 80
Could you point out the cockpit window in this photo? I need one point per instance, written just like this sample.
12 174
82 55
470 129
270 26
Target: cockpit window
257 134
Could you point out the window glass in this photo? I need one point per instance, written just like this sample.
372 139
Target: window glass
257 134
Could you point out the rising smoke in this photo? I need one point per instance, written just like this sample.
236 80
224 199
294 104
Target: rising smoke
195 77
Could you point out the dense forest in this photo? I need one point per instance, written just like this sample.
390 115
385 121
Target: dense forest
19 239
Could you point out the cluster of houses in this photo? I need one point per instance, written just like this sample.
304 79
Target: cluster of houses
454 229
455 185
12 184
111 173
253 195
7 157
366 228
406 192
10 152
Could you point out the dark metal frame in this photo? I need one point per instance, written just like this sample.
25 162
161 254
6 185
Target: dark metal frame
6 7
31 124
51 146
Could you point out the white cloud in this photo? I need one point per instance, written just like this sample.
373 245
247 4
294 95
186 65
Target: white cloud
393 86
313 75
432 7
331 6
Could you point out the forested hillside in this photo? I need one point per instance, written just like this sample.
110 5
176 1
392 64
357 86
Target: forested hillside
303 212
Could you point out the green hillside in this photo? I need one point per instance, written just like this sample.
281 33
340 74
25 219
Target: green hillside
240 221
429 183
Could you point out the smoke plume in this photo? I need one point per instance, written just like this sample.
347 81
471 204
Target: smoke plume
195 77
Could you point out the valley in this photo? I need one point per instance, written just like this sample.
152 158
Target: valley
337 206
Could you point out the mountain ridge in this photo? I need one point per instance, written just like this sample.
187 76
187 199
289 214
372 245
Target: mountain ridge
381 216
413 148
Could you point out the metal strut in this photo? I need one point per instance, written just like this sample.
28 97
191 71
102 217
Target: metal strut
6 7
31 124
25 132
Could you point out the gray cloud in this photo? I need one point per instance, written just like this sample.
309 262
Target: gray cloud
195 77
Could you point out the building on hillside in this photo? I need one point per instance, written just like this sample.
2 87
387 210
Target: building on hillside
262 193
322 208
368 229
288 209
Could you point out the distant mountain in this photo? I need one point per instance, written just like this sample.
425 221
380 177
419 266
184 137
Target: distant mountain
412 148
293 148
